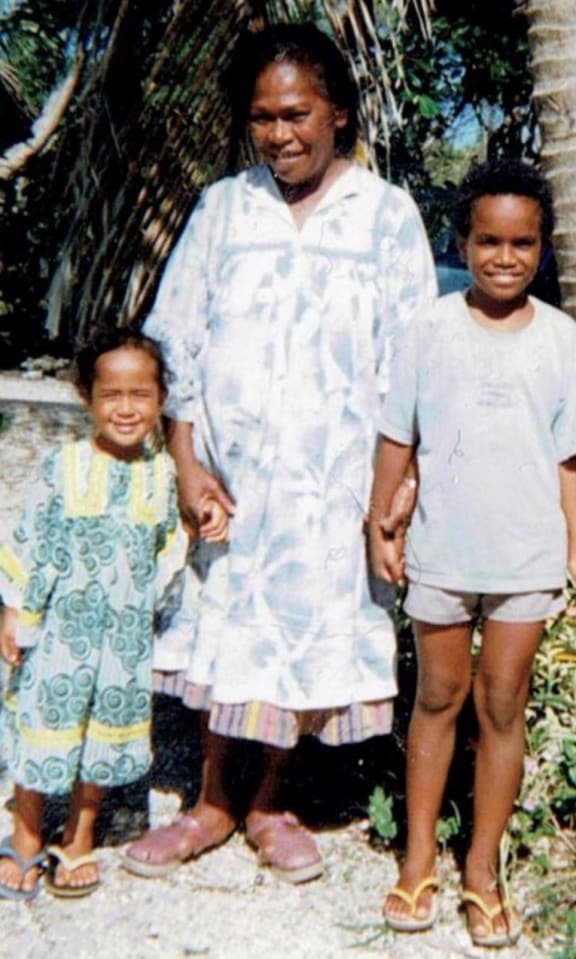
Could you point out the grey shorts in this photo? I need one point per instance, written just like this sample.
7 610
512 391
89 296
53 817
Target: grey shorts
444 607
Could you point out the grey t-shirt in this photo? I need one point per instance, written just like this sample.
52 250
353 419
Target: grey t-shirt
493 413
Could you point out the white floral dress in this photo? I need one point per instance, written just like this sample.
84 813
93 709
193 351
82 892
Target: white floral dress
278 342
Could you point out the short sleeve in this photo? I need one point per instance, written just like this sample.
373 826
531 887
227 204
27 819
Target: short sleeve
399 420
179 317
564 424
29 560
408 277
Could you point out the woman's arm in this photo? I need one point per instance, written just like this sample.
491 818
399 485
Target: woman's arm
196 486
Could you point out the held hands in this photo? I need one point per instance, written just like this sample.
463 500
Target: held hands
9 651
387 552
388 535
214 521
205 506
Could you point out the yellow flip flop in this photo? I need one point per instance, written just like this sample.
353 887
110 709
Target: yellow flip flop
412 922
495 939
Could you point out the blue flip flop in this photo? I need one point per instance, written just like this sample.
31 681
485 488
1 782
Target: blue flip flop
8 852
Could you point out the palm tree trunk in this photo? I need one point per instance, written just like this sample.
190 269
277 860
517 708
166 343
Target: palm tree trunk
552 37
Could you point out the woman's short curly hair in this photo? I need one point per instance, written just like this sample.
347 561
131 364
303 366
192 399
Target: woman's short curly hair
498 178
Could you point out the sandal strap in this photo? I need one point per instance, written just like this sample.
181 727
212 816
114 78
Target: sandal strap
72 863
489 912
7 851
411 898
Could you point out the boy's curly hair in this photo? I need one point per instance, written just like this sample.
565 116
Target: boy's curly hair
104 341
498 178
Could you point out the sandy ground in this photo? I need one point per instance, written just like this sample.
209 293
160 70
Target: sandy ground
223 906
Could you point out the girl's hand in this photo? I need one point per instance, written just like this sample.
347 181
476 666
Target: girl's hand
572 569
387 554
9 651
214 521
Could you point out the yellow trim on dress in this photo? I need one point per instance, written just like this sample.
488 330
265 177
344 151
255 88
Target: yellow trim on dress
50 738
79 500
12 566
116 735
86 490
144 508
28 618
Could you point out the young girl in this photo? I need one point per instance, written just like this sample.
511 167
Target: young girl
485 391
79 583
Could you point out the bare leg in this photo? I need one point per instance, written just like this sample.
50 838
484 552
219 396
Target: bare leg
266 799
282 842
26 839
208 824
444 677
500 693
78 837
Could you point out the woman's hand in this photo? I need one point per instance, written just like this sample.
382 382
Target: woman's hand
196 486
9 651
204 503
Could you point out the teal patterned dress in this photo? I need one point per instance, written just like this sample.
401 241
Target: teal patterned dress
85 567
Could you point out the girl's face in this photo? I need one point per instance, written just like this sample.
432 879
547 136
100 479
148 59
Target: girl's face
503 249
126 400
293 125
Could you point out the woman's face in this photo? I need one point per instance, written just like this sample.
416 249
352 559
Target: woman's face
293 124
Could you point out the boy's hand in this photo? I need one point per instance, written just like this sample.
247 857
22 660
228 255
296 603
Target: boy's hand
214 521
387 554
9 651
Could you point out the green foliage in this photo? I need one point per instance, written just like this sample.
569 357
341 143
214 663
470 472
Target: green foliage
381 813
461 96
448 827
37 39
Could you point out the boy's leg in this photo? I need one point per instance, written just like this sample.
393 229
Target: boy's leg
444 676
26 839
501 689
78 839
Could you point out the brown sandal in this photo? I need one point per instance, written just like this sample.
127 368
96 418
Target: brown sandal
163 850
286 847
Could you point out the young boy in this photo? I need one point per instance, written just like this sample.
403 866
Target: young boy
484 389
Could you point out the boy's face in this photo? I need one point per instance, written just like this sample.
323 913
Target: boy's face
503 249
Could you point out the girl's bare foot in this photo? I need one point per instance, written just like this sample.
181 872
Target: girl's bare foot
20 866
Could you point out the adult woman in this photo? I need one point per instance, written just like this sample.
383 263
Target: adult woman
276 313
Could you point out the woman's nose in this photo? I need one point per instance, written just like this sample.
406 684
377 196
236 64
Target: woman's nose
280 131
